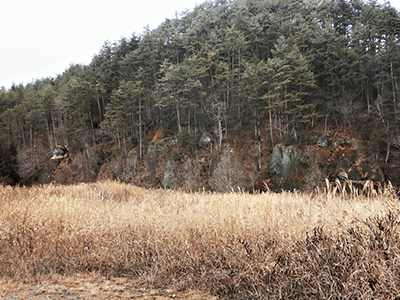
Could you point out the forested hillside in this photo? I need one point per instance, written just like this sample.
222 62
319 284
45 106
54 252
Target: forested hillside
248 72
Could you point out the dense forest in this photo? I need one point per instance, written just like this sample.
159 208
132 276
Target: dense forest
276 70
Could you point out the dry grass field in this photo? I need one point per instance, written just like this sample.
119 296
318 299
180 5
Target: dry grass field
109 239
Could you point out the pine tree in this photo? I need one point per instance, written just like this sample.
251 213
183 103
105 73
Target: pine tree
289 86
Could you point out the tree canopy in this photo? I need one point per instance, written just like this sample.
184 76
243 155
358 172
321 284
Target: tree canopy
280 65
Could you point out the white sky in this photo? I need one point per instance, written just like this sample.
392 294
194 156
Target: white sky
42 38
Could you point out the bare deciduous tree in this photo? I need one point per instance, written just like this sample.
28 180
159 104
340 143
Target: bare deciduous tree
228 175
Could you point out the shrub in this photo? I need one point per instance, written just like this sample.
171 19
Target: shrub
175 155
228 176
9 164
186 140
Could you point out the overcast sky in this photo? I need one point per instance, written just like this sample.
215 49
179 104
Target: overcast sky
42 38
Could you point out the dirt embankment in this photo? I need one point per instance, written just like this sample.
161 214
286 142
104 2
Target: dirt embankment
326 154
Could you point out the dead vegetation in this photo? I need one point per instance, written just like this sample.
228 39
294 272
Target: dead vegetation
339 243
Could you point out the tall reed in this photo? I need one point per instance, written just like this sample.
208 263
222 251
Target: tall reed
287 245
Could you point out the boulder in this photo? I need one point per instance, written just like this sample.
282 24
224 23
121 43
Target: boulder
154 148
228 150
60 152
154 153
206 138
133 155
284 161
323 141
169 174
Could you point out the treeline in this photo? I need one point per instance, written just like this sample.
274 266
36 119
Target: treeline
283 66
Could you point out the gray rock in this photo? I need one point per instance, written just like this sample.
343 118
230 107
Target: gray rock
284 161
154 153
155 147
60 152
169 174
133 154
323 141
228 150
206 138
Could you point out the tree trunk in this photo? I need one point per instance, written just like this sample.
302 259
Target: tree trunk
178 115
393 89
219 126
140 129
188 118
270 122
98 105
49 135
53 130
91 123
23 134
31 136
280 122
388 150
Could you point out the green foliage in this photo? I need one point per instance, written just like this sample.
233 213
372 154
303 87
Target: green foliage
304 136
117 153
8 163
175 155
225 65
186 140
254 137
134 140
287 139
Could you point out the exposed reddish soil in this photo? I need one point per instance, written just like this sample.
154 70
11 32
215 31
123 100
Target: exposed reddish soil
345 152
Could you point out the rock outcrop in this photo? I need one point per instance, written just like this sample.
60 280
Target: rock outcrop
284 161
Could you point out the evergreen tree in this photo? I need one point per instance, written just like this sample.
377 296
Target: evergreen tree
291 83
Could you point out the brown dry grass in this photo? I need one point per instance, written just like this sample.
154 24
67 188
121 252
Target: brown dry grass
334 244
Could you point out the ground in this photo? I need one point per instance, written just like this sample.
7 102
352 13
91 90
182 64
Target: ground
91 287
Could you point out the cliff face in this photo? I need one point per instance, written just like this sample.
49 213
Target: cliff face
243 162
